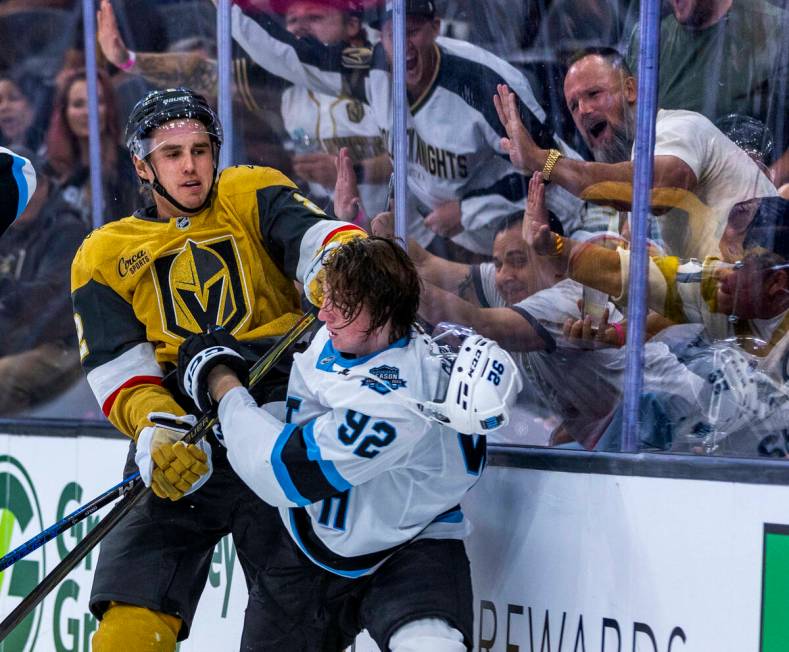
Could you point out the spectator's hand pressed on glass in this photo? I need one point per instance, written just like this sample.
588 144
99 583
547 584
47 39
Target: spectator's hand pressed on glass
523 151
583 334
536 231
382 225
346 190
317 167
109 36
445 220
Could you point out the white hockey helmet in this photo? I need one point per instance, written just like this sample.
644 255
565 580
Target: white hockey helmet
483 385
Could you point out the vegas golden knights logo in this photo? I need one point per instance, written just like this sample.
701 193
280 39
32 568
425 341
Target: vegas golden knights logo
355 110
200 285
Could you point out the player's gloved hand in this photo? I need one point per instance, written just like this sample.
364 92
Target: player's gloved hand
313 278
170 467
199 354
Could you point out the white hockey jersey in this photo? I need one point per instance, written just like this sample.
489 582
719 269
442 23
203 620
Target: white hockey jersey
356 474
454 134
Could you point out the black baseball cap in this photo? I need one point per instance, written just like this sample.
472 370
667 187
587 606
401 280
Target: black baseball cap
423 8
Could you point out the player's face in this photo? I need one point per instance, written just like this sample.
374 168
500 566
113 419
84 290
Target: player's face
16 113
77 109
306 18
601 102
421 57
514 275
184 164
351 336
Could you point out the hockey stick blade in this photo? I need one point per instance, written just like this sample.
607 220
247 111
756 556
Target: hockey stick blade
137 490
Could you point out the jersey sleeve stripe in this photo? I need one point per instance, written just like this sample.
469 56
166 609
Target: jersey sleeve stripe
281 471
106 406
317 236
332 234
311 478
327 466
17 184
310 543
21 183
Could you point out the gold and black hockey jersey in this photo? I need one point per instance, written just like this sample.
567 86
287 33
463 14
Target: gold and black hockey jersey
140 286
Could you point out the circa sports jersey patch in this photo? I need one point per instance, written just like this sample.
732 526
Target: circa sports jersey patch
182 223
390 377
201 285
133 264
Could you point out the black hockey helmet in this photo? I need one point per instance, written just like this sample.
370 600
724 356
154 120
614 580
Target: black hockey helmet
162 106
170 106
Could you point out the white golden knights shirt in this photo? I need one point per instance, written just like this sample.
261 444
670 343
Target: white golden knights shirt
454 134
355 473
140 286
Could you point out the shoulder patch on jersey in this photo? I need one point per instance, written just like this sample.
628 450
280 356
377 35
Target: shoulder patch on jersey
246 178
390 377
357 58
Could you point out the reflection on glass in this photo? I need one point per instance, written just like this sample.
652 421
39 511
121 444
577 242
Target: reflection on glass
312 97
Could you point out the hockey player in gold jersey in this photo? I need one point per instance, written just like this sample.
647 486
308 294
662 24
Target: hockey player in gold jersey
212 250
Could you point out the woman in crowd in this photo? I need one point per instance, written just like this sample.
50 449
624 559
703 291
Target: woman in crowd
25 105
68 153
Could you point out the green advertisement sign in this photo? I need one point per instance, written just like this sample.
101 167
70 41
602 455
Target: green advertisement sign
20 519
775 589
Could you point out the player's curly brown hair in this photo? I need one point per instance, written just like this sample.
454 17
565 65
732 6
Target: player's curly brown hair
375 273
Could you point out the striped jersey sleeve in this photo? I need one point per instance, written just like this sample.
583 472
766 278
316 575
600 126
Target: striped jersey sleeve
17 185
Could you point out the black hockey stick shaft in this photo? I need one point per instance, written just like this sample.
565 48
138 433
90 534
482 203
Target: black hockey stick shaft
138 490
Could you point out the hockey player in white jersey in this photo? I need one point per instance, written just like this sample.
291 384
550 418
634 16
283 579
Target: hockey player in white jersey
17 185
459 178
368 469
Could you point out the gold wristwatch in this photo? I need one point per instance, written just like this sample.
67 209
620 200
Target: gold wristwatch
553 157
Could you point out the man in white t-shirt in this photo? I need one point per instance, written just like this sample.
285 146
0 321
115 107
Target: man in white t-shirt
690 153
523 301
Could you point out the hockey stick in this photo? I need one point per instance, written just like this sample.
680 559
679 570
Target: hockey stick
136 491
67 522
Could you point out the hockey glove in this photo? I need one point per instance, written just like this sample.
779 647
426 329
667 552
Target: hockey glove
313 278
199 354
170 467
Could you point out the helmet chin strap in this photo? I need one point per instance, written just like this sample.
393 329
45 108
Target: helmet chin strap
160 190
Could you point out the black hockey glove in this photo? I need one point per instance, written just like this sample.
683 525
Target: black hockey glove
199 354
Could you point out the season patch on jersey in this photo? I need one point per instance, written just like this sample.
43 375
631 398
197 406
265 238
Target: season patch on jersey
390 377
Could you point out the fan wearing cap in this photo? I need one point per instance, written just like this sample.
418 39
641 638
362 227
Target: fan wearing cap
319 125
369 467
460 182
210 250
